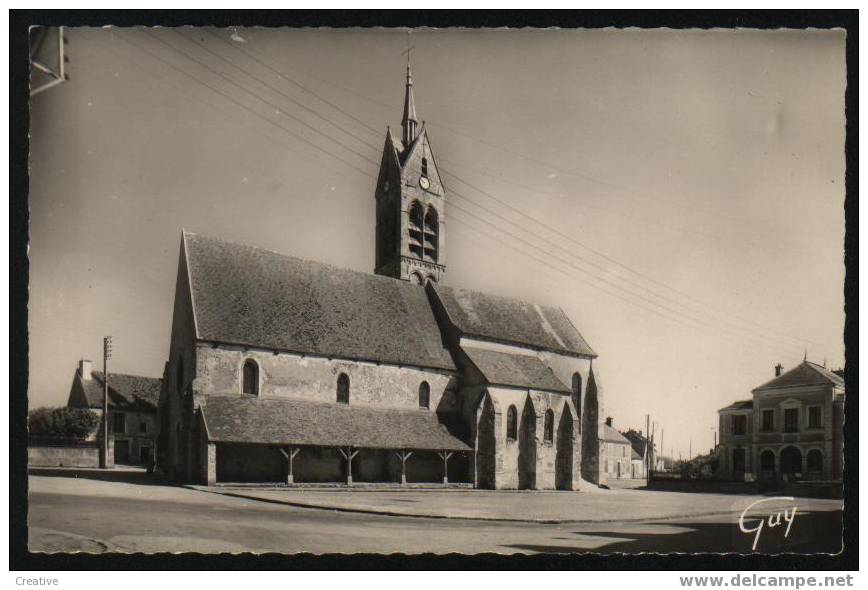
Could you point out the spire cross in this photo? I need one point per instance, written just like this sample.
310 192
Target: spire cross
409 48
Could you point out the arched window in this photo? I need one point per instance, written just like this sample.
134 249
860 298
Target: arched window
416 278
549 427
415 229
250 377
424 394
430 279
343 396
815 460
179 375
511 423
432 234
424 166
577 393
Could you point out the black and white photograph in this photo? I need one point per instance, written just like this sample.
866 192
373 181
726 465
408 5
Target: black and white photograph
408 290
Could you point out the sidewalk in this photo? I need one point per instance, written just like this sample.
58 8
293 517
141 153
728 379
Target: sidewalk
547 507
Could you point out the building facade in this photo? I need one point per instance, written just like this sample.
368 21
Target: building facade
288 370
132 403
616 454
791 429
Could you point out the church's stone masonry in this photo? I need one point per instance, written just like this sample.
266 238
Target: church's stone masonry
311 378
539 364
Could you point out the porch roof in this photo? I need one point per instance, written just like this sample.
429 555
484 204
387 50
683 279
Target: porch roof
288 422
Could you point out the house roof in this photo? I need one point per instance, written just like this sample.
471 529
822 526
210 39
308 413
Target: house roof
745 404
295 422
502 319
253 297
807 373
126 392
609 434
516 370
634 455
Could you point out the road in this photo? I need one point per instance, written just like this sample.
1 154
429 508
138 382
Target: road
128 514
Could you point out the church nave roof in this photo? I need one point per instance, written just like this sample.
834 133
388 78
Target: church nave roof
254 297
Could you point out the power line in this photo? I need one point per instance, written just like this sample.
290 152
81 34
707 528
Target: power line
370 176
547 227
245 107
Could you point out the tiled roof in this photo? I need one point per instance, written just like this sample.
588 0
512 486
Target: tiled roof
807 373
295 422
502 319
501 368
745 404
609 434
248 296
126 392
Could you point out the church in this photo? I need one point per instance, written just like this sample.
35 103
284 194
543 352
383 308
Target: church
292 371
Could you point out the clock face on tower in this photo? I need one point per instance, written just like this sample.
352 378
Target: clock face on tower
423 182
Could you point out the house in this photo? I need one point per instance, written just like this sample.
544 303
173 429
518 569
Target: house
790 429
132 402
289 370
616 453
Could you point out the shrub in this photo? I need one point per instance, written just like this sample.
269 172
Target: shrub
62 422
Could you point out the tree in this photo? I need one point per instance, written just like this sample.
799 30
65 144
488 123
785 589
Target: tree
62 422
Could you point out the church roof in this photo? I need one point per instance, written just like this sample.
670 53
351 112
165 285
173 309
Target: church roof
517 370
296 422
126 392
253 297
807 373
502 319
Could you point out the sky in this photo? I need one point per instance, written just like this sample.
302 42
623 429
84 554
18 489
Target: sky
678 193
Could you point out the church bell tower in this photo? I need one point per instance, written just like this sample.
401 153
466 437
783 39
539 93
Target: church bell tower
411 224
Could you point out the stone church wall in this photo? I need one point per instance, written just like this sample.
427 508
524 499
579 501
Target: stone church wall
315 379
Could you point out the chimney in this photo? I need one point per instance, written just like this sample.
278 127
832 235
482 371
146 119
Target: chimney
85 368
609 422
779 368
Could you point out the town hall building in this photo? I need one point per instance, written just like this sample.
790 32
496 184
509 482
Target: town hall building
289 370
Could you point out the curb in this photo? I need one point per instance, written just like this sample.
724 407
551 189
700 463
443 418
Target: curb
468 518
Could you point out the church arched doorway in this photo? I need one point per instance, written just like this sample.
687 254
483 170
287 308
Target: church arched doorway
564 452
791 462
527 448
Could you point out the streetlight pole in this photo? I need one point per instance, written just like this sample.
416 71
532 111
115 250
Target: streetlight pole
106 355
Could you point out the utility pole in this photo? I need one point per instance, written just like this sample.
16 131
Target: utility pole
647 441
691 450
662 450
106 355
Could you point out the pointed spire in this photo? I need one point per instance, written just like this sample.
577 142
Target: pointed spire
409 121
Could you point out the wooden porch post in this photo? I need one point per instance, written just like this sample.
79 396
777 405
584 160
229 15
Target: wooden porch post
403 456
289 454
445 455
349 455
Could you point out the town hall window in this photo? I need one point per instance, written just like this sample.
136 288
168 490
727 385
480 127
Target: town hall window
343 389
739 424
511 423
424 394
814 420
549 427
250 378
791 420
424 166
768 420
